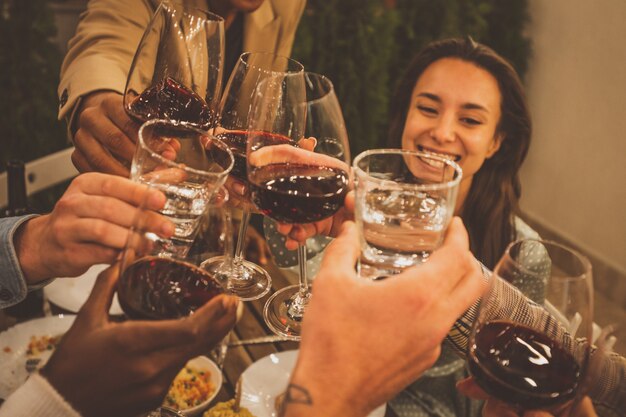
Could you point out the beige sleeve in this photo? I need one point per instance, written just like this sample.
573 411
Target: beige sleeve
290 12
100 53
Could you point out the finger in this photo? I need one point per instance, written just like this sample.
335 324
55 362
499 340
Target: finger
117 212
95 311
469 388
342 253
495 408
301 232
308 143
111 127
80 161
348 203
209 324
537 413
123 189
98 231
448 264
99 158
284 228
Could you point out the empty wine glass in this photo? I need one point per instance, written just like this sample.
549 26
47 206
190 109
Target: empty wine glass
244 278
404 201
527 362
176 73
295 181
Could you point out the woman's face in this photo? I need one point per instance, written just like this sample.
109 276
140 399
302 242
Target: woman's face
454 112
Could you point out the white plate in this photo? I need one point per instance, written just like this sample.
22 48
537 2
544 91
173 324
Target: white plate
14 343
71 293
267 378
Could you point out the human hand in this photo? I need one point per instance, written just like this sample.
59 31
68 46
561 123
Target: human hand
297 234
89 225
105 137
104 368
363 341
497 408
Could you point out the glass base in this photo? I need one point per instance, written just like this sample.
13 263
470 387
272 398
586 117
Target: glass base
284 311
252 283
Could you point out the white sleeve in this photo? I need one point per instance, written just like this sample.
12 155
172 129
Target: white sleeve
37 398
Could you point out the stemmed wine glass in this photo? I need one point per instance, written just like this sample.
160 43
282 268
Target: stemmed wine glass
176 73
535 363
159 276
244 278
295 183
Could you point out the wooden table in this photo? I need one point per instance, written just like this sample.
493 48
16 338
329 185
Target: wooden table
249 326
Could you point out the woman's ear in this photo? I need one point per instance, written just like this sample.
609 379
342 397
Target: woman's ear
494 146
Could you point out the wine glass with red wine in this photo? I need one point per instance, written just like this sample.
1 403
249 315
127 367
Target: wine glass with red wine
535 364
160 275
176 73
295 181
245 278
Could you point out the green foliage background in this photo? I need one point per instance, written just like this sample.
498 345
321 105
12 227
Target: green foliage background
29 74
364 46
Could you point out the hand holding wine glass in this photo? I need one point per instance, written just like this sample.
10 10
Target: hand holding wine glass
536 365
245 279
292 183
176 73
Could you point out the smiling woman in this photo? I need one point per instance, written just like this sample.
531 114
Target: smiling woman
461 100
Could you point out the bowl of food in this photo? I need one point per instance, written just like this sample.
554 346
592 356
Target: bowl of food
195 386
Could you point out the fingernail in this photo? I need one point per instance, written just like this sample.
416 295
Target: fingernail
156 199
167 229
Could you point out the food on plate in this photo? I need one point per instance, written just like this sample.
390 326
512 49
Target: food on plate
278 402
40 344
190 388
225 409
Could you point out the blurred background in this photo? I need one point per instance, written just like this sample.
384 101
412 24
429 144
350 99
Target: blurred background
570 53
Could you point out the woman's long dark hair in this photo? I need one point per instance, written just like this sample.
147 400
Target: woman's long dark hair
494 195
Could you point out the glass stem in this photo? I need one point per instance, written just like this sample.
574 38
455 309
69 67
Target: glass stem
300 300
241 238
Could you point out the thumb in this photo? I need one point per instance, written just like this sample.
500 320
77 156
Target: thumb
95 311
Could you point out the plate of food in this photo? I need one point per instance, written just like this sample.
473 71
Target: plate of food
71 293
265 380
32 343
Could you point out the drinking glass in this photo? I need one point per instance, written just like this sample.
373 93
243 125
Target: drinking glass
176 73
404 201
156 284
295 183
527 362
245 279
188 165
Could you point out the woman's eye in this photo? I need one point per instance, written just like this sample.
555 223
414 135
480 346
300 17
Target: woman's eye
470 121
427 110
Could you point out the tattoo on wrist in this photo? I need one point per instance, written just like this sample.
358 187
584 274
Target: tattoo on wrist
295 394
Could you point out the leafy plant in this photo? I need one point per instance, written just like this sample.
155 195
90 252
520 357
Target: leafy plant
364 46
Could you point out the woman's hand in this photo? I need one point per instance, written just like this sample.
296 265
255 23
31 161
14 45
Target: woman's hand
297 234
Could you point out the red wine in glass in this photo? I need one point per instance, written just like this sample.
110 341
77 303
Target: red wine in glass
237 141
298 193
157 288
522 366
170 100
